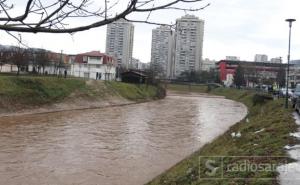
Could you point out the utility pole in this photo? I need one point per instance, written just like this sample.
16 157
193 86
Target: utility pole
290 21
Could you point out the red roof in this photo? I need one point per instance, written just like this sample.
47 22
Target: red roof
93 54
106 58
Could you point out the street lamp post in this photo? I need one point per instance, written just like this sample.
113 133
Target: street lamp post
290 21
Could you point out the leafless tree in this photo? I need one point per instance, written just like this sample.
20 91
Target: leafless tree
4 56
42 60
107 70
19 58
70 16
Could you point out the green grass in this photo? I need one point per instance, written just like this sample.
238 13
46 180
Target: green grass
133 91
276 123
186 88
26 91
37 90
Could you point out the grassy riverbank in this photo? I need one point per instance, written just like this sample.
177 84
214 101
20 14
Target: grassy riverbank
24 92
264 133
136 92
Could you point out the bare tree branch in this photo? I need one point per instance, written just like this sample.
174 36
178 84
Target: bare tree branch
19 39
18 18
58 16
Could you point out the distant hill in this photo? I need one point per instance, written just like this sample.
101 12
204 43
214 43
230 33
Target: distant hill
10 46
4 46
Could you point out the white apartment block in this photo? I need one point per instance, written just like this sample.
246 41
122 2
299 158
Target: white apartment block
162 50
93 65
138 65
189 44
119 41
277 60
233 58
208 65
261 58
294 75
134 63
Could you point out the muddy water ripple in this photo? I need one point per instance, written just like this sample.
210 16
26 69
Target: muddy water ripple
113 146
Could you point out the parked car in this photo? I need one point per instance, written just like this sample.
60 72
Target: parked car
282 92
264 88
296 98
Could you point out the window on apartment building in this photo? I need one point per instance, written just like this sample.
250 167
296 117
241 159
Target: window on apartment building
94 58
182 62
84 58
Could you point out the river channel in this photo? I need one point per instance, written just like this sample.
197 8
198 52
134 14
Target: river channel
126 145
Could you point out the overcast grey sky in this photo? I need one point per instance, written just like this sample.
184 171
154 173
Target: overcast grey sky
232 27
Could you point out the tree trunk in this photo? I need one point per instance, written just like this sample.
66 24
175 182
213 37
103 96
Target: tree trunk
18 70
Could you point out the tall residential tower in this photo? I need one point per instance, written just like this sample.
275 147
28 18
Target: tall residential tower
119 41
261 58
189 44
162 51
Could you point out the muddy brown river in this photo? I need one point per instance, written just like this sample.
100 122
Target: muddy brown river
126 145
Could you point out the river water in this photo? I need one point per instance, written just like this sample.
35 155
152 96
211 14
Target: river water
126 145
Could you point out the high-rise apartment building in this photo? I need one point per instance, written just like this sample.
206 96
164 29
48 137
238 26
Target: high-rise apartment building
119 41
188 44
208 65
162 51
233 58
276 60
261 58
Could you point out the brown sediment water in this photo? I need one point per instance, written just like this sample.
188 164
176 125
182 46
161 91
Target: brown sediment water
126 145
